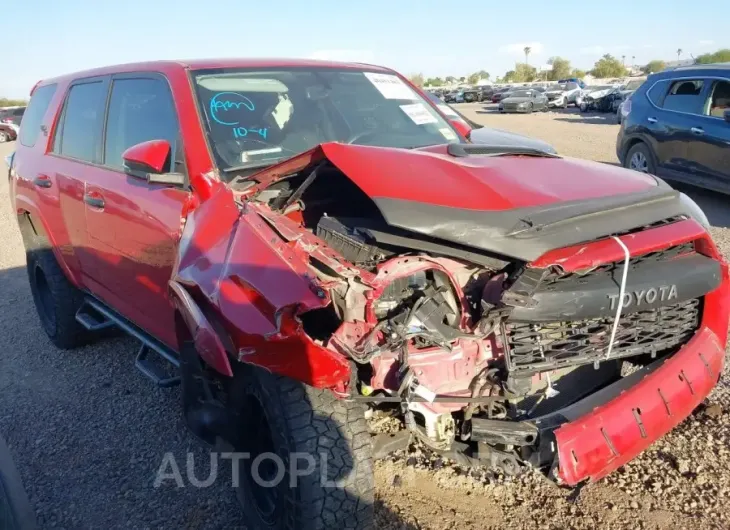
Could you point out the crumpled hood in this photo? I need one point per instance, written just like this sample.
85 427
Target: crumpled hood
479 182
515 206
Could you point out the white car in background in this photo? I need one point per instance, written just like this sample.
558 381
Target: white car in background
563 94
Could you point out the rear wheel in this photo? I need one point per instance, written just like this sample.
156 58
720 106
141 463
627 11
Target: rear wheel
56 300
287 426
639 158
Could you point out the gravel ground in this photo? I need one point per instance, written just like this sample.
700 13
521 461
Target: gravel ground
89 433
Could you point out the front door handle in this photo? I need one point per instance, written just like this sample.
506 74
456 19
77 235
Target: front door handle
697 130
43 181
94 200
651 120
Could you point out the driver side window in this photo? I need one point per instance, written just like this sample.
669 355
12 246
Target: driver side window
140 109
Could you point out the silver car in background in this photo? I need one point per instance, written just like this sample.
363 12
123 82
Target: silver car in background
563 94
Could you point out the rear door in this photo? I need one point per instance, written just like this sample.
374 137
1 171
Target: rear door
676 103
133 226
709 151
74 156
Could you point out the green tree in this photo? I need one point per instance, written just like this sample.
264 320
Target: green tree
654 66
474 78
5 102
434 81
577 72
416 79
450 79
608 66
523 73
560 68
720 56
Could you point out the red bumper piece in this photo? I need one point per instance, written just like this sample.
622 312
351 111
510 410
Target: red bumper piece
597 443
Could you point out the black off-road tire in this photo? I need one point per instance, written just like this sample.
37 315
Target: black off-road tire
56 299
302 419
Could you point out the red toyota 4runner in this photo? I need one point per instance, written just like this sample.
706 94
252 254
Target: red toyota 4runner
305 239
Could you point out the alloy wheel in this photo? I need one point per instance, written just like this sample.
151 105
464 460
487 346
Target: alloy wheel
639 162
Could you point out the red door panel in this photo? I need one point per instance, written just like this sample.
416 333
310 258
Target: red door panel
133 228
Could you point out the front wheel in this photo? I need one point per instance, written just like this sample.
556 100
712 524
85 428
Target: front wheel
310 464
4 137
530 108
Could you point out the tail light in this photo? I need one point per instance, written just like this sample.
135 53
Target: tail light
626 108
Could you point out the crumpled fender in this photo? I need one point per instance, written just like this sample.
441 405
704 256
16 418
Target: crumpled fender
207 342
256 285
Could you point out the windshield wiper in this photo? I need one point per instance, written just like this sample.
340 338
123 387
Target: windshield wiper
462 150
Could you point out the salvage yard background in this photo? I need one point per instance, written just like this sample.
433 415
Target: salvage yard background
89 432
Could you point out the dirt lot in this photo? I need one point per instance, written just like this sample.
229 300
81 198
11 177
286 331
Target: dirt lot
89 433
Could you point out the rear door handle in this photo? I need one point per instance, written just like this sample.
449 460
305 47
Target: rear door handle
43 181
651 120
697 130
94 200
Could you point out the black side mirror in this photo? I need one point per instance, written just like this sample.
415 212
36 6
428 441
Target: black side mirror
727 115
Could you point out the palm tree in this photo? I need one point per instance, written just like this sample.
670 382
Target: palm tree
623 60
527 54
679 52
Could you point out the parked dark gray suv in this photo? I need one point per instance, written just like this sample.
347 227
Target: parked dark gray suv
677 126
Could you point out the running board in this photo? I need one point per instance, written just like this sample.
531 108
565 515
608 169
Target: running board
154 371
95 315
92 320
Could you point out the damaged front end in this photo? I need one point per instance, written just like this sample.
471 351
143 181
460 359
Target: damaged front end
488 356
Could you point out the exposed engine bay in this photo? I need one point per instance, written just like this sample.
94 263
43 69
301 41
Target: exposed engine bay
474 349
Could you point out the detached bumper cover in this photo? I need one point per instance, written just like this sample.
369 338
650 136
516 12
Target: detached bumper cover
601 440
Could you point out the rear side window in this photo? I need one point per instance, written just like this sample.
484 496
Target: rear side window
720 99
80 127
32 120
685 96
658 91
139 110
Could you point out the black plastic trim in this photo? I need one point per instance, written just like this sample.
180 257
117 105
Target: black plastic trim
527 233
596 296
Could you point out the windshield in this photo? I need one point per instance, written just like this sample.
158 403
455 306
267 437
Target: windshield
553 88
634 84
521 94
259 117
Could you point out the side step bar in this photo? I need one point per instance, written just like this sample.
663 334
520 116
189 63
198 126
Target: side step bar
93 315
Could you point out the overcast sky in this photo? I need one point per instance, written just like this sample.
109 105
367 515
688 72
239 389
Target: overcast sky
44 38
